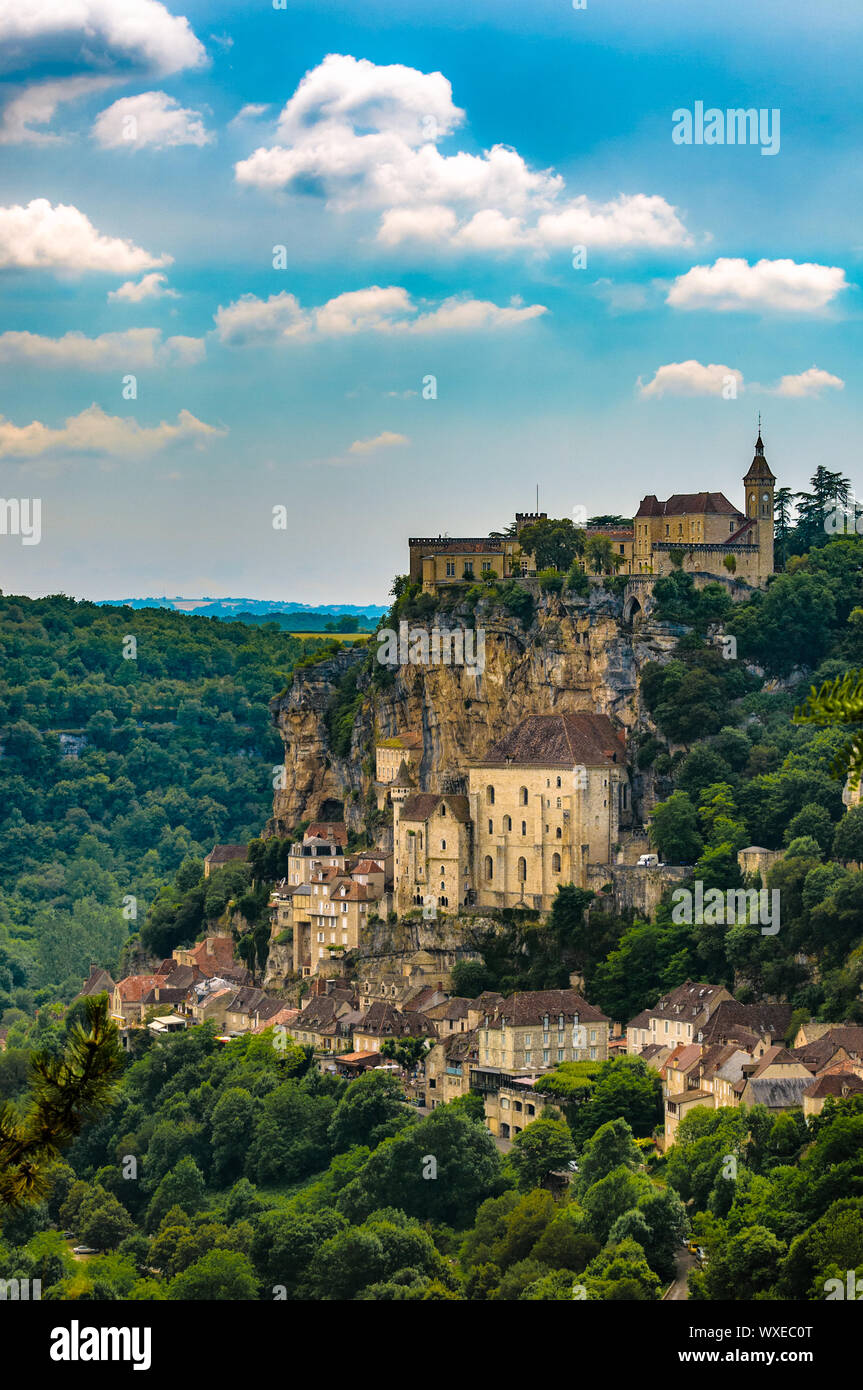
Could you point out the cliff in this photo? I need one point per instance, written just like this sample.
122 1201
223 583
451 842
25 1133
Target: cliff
576 654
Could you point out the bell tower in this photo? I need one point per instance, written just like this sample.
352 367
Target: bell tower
760 484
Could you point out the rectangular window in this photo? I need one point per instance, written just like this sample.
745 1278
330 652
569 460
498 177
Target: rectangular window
545 1054
560 1054
527 1059
450 569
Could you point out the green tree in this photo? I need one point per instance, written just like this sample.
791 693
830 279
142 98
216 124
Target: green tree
219 1276
674 830
542 1147
66 1091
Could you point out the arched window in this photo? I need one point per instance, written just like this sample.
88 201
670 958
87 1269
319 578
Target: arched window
558 781
443 845
555 863
507 822
558 834
491 827
489 867
524 827
444 902
522 796
489 795
522 870
443 808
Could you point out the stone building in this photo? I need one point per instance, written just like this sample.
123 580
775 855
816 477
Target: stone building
433 838
439 562
547 800
707 533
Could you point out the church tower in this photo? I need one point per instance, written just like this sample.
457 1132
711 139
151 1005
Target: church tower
760 483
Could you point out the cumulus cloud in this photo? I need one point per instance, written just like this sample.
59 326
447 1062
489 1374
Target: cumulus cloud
807 384
151 118
363 136
95 43
136 347
385 440
152 286
250 321
93 431
731 283
43 236
35 106
691 379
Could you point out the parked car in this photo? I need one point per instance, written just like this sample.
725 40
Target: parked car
84 1250
648 861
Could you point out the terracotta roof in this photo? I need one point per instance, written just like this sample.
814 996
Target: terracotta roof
559 740
336 831
423 804
767 1020
688 503
686 1059
836 1083
134 987
531 1006
741 531
222 854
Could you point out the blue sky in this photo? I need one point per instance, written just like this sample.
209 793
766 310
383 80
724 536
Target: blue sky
428 170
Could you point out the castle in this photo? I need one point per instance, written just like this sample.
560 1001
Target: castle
700 532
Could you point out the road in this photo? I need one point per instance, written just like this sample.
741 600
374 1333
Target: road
683 1263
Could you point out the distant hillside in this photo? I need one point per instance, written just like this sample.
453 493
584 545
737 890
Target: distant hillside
304 617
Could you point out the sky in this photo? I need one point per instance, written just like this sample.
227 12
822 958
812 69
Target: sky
284 286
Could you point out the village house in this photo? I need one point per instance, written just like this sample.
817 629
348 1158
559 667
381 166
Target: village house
447 1067
676 1017
220 855
382 1020
835 1085
536 1030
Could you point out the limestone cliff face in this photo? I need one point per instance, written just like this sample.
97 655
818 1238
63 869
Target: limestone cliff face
576 655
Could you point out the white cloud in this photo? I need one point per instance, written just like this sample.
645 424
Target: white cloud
63 238
153 286
96 43
691 379
36 104
93 431
100 33
363 136
734 284
627 221
250 321
385 440
468 316
135 347
250 112
151 118
807 384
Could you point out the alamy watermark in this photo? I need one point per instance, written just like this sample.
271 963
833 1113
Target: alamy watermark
436 646
21 516
735 126
737 906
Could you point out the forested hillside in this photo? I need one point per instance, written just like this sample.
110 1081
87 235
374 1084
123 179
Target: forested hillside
116 768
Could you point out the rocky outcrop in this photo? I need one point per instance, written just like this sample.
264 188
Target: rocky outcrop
577 654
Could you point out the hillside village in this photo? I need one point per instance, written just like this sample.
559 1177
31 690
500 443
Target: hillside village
477 817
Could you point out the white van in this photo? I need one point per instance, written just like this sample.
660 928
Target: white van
648 861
